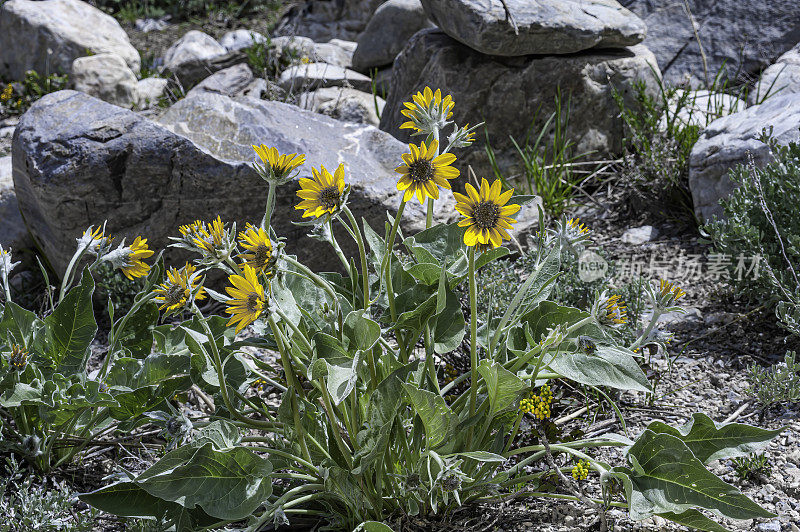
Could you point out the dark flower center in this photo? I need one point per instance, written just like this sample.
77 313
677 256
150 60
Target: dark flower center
420 171
486 214
253 303
176 295
329 197
261 255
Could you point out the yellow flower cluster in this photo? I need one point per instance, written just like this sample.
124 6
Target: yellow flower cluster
260 384
670 292
538 404
581 470
7 93
133 266
616 310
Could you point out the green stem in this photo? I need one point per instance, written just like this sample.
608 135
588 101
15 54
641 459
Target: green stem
362 252
473 337
267 220
115 330
319 281
338 250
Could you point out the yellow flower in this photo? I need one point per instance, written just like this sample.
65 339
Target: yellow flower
670 292
279 165
581 470
426 106
423 171
211 236
248 300
256 241
575 226
486 215
133 266
616 312
322 194
177 291
7 93
191 231
538 405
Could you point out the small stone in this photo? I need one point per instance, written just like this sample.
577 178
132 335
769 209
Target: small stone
105 76
192 47
146 25
149 91
639 235
241 39
772 526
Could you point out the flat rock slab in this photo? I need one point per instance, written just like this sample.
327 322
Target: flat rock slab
514 94
730 140
523 27
47 36
79 161
781 78
310 76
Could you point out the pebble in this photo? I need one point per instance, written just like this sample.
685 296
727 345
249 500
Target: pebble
772 526
639 235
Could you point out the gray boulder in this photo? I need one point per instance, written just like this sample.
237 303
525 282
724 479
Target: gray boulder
348 105
336 52
310 76
228 82
190 55
507 93
522 27
323 20
105 76
241 39
745 36
730 141
388 32
781 78
13 233
47 36
79 161
149 91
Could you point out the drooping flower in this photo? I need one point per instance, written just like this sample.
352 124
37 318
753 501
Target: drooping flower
129 259
259 249
323 194
424 172
248 300
427 110
487 216
277 167
180 288
211 237
94 241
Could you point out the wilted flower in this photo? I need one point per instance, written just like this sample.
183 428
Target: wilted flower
587 345
94 241
19 358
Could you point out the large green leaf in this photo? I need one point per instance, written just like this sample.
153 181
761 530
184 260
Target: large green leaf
361 332
667 478
548 315
607 367
18 325
227 484
70 329
372 526
127 499
709 441
503 386
440 422
136 337
450 323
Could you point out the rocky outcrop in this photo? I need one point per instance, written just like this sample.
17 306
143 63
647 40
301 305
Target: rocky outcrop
47 36
105 76
13 233
241 39
79 161
522 27
387 33
743 35
781 78
336 52
348 105
508 93
323 20
229 82
732 140
311 76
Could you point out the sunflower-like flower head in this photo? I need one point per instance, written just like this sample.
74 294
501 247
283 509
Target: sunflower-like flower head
667 295
19 358
571 234
424 172
276 167
487 216
214 240
324 195
248 300
581 470
610 310
130 259
94 241
259 252
427 111
461 137
181 288
6 265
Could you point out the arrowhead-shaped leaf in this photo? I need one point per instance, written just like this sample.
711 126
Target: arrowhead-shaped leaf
503 386
440 422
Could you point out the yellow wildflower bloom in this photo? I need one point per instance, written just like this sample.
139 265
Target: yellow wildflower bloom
211 236
257 243
616 312
133 266
575 226
581 470
670 291
177 291
538 404
486 215
279 165
426 102
424 172
248 300
322 194
7 93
